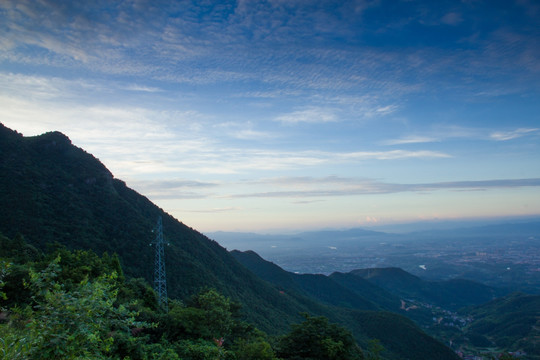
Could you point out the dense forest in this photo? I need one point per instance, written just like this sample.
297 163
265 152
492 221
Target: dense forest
77 305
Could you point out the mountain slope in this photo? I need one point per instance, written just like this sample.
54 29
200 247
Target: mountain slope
53 192
450 294
374 293
511 323
400 336
319 287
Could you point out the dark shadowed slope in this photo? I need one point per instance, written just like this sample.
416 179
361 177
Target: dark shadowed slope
351 297
53 192
450 294
511 322
319 287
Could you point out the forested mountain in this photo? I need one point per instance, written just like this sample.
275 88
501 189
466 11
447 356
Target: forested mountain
485 326
450 294
320 287
512 321
55 193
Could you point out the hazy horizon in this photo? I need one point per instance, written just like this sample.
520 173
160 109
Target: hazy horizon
281 116
397 227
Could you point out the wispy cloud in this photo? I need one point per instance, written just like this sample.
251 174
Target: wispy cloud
244 131
513 134
410 140
216 210
311 115
452 18
307 187
392 155
172 189
142 88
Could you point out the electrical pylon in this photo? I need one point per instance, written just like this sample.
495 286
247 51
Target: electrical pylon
160 277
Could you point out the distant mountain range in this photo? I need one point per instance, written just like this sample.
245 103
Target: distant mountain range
526 226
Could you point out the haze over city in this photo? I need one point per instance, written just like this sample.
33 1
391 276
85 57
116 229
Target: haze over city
276 115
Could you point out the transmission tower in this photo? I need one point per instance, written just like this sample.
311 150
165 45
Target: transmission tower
160 278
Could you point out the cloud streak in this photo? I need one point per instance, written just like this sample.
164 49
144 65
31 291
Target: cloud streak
335 187
312 115
514 134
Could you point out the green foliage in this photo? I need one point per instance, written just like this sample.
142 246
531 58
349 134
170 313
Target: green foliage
15 291
158 351
211 316
257 349
510 323
17 249
80 265
78 308
4 270
79 323
14 345
401 338
316 338
200 350
374 349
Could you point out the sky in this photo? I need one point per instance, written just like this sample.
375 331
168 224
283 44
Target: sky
285 115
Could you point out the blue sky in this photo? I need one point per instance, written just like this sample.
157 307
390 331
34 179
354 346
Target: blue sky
287 115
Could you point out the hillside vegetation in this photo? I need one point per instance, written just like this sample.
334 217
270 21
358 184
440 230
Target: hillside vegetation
77 305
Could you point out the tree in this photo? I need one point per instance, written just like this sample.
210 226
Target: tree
317 339
72 324
208 316
374 349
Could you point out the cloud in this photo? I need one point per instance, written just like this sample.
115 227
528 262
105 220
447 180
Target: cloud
410 140
452 18
385 110
514 134
215 210
311 115
243 131
142 88
308 187
392 155
172 184
172 189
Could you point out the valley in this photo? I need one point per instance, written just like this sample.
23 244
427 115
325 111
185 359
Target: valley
448 281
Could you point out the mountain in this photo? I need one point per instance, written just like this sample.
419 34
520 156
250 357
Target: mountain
505 324
354 307
374 293
52 192
511 322
319 287
450 294
306 241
